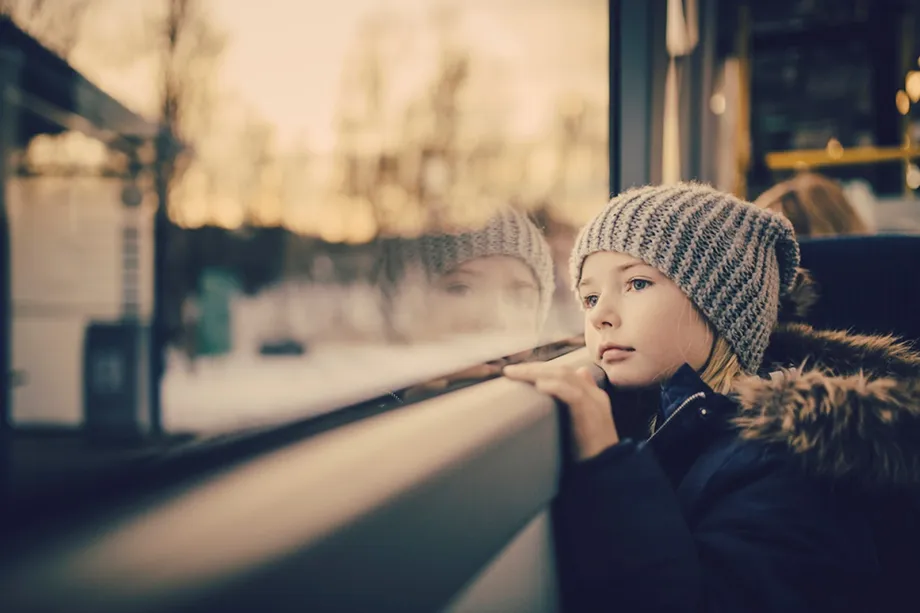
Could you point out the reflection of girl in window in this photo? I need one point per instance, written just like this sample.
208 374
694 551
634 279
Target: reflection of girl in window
761 487
495 278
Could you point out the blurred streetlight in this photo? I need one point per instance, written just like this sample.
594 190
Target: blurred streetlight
834 149
718 104
902 100
913 176
912 85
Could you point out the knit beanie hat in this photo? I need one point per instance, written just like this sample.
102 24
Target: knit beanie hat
508 233
732 259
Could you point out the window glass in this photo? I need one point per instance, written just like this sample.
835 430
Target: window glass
224 214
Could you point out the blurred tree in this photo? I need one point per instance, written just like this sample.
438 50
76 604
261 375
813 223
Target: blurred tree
188 45
402 161
260 173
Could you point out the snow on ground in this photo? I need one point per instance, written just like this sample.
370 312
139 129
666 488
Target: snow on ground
245 388
238 391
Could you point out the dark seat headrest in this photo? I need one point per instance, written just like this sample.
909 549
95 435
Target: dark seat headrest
867 284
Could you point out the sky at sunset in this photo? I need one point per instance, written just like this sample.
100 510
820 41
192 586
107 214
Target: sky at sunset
284 58
286 63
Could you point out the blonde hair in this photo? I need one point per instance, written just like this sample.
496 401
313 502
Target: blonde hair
720 372
722 368
815 204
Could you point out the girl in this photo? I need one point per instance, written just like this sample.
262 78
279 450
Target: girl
785 492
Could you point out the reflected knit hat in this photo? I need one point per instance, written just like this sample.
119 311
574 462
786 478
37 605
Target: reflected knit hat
732 259
509 233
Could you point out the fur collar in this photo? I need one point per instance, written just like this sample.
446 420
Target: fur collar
847 405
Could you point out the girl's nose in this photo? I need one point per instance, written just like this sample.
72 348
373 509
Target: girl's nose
604 315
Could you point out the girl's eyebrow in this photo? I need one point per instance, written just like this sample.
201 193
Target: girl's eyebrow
629 265
585 281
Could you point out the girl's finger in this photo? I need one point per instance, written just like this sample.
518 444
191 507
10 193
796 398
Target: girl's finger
583 382
585 374
529 372
561 389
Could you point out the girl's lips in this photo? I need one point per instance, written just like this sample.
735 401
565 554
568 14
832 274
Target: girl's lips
613 353
616 355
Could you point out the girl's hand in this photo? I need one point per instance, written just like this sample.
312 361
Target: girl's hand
592 420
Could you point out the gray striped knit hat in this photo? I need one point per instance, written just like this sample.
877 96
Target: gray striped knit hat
732 259
509 233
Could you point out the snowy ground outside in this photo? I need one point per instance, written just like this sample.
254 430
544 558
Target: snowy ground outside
244 388
228 393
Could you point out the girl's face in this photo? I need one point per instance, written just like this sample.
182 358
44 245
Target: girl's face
497 293
639 326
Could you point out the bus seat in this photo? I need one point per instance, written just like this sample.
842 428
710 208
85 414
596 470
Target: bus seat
867 284
870 284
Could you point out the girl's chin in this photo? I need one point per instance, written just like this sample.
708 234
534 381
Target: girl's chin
619 375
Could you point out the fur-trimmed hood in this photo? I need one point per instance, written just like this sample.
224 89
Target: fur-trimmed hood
848 405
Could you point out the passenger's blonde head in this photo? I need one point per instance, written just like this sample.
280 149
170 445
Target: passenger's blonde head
816 206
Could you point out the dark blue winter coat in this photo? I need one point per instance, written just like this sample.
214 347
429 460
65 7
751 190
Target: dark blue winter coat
794 495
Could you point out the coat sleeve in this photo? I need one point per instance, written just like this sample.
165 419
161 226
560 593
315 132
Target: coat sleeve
768 542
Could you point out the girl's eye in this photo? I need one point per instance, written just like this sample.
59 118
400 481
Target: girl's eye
458 289
639 284
589 302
